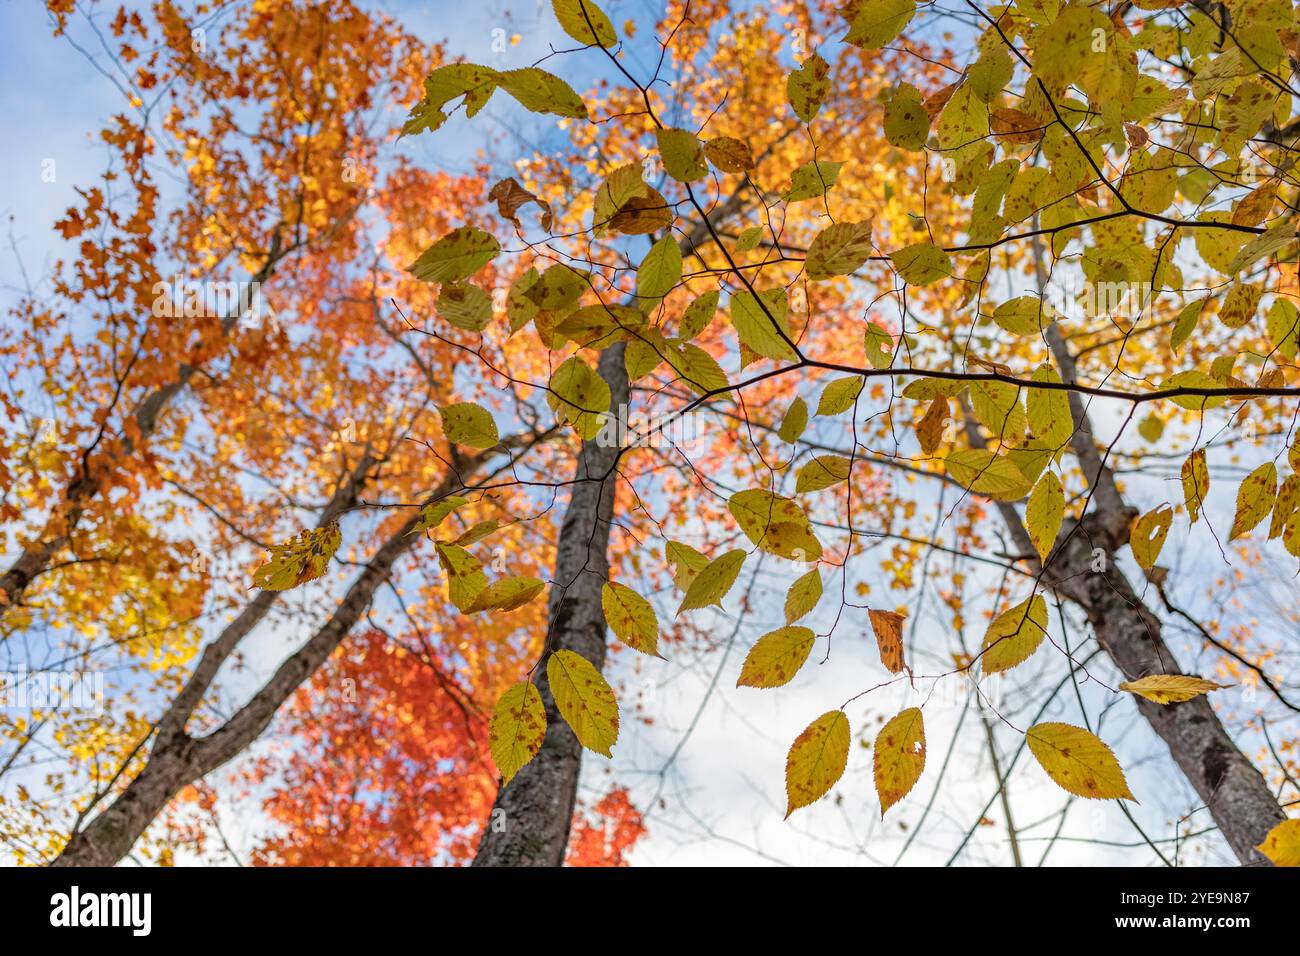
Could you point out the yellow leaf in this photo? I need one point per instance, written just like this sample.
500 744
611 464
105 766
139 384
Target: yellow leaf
822 472
1014 635
840 395
803 596
631 618
987 474
1078 762
713 582
839 250
907 124
457 255
877 22
776 524
1196 483
686 562
811 180
1282 845
930 429
469 424
659 272
465 577
584 699
682 153
1169 688
508 594
1148 535
879 346
776 657
795 421
729 154
1255 499
585 22
517 728
922 263
302 558
807 87
436 512
816 760
899 757
465 306
761 323
542 92
888 628
1044 512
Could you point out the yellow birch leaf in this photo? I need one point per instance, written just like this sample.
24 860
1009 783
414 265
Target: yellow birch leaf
517 728
816 760
584 699
469 424
822 472
1255 499
508 594
1044 512
1196 483
631 618
1014 635
899 757
1148 535
1078 762
1282 845
1170 688
803 596
776 657
713 582
304 557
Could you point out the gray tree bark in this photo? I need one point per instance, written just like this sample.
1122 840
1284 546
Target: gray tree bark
530 820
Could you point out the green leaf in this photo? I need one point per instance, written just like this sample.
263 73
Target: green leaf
807 87
469 424
465 306
698 315
451 81
840 395
436 512
584 699
542 92
757 321
713 582
877 22
812 180
879 346
907 124
922 263
776 657
987 474
465 577
839 250
659 272
795 421
579 397
682 153
304 557
457 255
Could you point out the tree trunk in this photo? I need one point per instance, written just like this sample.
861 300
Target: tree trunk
530 820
